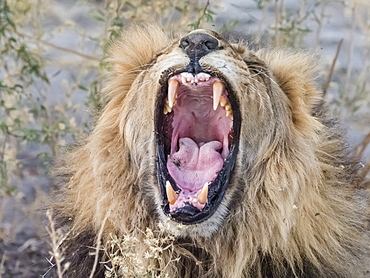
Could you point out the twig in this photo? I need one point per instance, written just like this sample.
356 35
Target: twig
351 49
50 268
364 173
277 21
328 80
2 262
56 242
98 243
60 47
360 148
202 15
359 153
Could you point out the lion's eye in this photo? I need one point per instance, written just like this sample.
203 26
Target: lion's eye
196 133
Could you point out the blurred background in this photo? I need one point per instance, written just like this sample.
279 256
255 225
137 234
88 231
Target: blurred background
52 69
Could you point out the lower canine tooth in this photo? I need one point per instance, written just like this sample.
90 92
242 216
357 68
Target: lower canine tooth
172 196
167 110
203 195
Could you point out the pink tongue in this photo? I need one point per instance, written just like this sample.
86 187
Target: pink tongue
192 166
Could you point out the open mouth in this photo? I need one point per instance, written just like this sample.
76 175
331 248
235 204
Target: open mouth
197 128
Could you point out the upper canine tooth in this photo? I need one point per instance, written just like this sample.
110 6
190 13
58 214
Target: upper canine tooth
172 196
218 87
203 195
173 84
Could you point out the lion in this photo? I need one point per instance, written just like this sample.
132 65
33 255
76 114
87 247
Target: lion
232 149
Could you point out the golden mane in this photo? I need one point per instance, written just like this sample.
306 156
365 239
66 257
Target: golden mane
289 210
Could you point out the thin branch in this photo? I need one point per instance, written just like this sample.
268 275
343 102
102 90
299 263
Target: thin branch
364 173
98 243
360 148
56 243
330 76
89 57
202 15
359 153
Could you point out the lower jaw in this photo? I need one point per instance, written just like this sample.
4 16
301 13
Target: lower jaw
204 229
189 214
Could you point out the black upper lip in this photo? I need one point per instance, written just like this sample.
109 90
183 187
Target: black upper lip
190 214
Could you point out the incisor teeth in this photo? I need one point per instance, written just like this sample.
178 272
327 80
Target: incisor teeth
172 90
218 87
203 195
172 196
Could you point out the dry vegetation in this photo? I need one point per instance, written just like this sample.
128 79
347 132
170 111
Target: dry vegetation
51 63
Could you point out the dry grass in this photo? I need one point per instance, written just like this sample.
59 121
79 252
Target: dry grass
133 257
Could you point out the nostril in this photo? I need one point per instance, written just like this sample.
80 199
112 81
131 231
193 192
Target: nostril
211 44
184 43
199 42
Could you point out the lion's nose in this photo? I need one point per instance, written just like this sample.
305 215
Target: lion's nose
196 46
199 44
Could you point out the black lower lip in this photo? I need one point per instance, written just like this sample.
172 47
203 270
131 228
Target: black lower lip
189 214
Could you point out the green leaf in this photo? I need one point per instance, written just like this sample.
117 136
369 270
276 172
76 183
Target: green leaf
82 87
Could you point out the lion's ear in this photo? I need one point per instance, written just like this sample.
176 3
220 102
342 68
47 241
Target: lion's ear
295 73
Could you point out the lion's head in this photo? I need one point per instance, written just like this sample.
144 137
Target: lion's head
230 142
208 108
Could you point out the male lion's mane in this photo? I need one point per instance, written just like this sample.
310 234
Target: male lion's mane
290 204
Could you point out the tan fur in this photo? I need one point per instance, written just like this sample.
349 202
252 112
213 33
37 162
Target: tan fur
288 204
